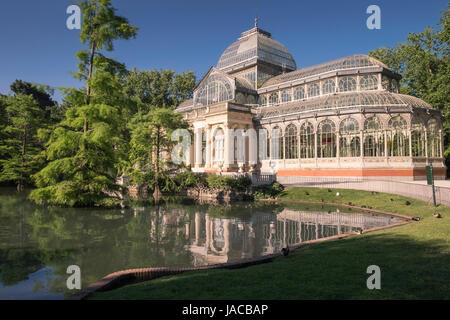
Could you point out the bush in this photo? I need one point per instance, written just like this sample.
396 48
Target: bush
268 191
241 183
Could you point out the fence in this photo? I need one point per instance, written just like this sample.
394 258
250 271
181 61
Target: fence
405 188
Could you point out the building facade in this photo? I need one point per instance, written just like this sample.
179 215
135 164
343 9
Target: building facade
256 112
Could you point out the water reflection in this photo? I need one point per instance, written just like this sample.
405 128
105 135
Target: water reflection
37 244
219 240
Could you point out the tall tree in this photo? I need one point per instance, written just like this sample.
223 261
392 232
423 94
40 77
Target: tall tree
101 26
424 63
20 148
86 149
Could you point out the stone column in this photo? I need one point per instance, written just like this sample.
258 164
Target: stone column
208 147
229 148
252 147
441 144
198 147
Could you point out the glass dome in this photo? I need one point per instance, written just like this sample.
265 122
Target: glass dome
256 43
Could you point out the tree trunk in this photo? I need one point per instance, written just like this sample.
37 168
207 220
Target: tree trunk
88 89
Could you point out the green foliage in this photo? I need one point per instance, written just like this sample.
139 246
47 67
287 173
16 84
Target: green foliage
101 26
240 183
162 89
150 137
20 149
272 190
424 63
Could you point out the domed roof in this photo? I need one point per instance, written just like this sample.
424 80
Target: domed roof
256 44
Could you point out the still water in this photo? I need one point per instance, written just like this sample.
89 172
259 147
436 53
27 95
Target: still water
37 244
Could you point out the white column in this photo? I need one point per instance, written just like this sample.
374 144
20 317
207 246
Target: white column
229 148
252 147
208 147
198 147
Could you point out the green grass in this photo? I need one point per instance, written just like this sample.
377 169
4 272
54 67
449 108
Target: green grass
414 261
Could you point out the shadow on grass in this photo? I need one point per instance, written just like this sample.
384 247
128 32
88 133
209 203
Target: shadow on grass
331 270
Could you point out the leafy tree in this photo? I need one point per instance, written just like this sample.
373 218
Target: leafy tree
150 140
86 149
162 88
101 26
424 63
20 148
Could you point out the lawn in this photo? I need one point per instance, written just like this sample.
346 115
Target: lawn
414 261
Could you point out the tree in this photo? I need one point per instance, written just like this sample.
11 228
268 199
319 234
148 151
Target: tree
85 150
424 63
20 148
162 88
150 140
101 26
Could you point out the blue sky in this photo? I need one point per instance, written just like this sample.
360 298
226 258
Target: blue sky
185 35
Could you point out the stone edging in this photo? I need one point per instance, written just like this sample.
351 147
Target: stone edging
125 277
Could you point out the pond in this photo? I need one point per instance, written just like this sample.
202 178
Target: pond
37 244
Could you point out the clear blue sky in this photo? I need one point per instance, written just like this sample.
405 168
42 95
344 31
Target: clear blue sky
186 35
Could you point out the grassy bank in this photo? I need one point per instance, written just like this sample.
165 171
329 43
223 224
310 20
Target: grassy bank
414 261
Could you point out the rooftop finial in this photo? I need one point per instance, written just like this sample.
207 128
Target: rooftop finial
256 22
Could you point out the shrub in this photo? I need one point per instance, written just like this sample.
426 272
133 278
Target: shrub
268 191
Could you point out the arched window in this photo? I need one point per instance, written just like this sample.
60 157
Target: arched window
328 86
373 138
326 139
313 90
417 138
262 100
299 93
347 84
349 142
433 139
215 89
286 96
273 98
240 98
368 82
306 141
398 139
251 99
218 145
291 142
276 143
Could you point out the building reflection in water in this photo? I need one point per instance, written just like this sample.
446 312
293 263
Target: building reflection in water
213 240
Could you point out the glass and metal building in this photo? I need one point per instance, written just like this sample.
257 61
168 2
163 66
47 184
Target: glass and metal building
255 111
